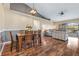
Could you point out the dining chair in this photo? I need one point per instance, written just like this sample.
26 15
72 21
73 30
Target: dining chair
39 35
0 38
20 37
29 38
35 37
11 40
14 43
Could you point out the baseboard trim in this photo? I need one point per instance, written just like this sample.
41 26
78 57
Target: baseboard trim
60 39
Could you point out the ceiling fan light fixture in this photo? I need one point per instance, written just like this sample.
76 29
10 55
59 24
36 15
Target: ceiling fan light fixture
62 13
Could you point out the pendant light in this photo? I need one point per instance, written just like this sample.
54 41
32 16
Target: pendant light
33 11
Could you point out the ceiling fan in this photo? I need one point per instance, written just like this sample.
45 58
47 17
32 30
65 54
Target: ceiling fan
61 13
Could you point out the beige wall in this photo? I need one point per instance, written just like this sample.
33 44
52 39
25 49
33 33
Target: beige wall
12 20
1 17
67 21
70 21
16 21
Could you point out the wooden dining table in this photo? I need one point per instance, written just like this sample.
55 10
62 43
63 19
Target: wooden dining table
20 37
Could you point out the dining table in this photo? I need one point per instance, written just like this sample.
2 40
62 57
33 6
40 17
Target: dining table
20 37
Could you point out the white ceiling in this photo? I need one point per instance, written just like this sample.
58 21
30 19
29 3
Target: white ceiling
52 10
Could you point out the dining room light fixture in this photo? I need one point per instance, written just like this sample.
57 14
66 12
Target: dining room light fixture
33 11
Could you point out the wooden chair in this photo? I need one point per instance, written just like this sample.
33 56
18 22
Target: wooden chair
0 38
29 38
20 37
37 37
13 42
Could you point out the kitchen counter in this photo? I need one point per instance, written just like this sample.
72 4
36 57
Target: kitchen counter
73 34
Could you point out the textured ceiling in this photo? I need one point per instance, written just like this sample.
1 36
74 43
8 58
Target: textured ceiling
53 10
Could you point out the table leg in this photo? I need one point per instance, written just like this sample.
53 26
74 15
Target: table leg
19 43
39 40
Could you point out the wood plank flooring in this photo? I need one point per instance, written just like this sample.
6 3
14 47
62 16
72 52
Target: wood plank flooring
49 47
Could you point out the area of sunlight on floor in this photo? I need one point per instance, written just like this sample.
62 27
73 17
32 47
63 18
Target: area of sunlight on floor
72 43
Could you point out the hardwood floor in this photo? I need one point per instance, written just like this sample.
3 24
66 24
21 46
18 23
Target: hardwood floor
49 47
